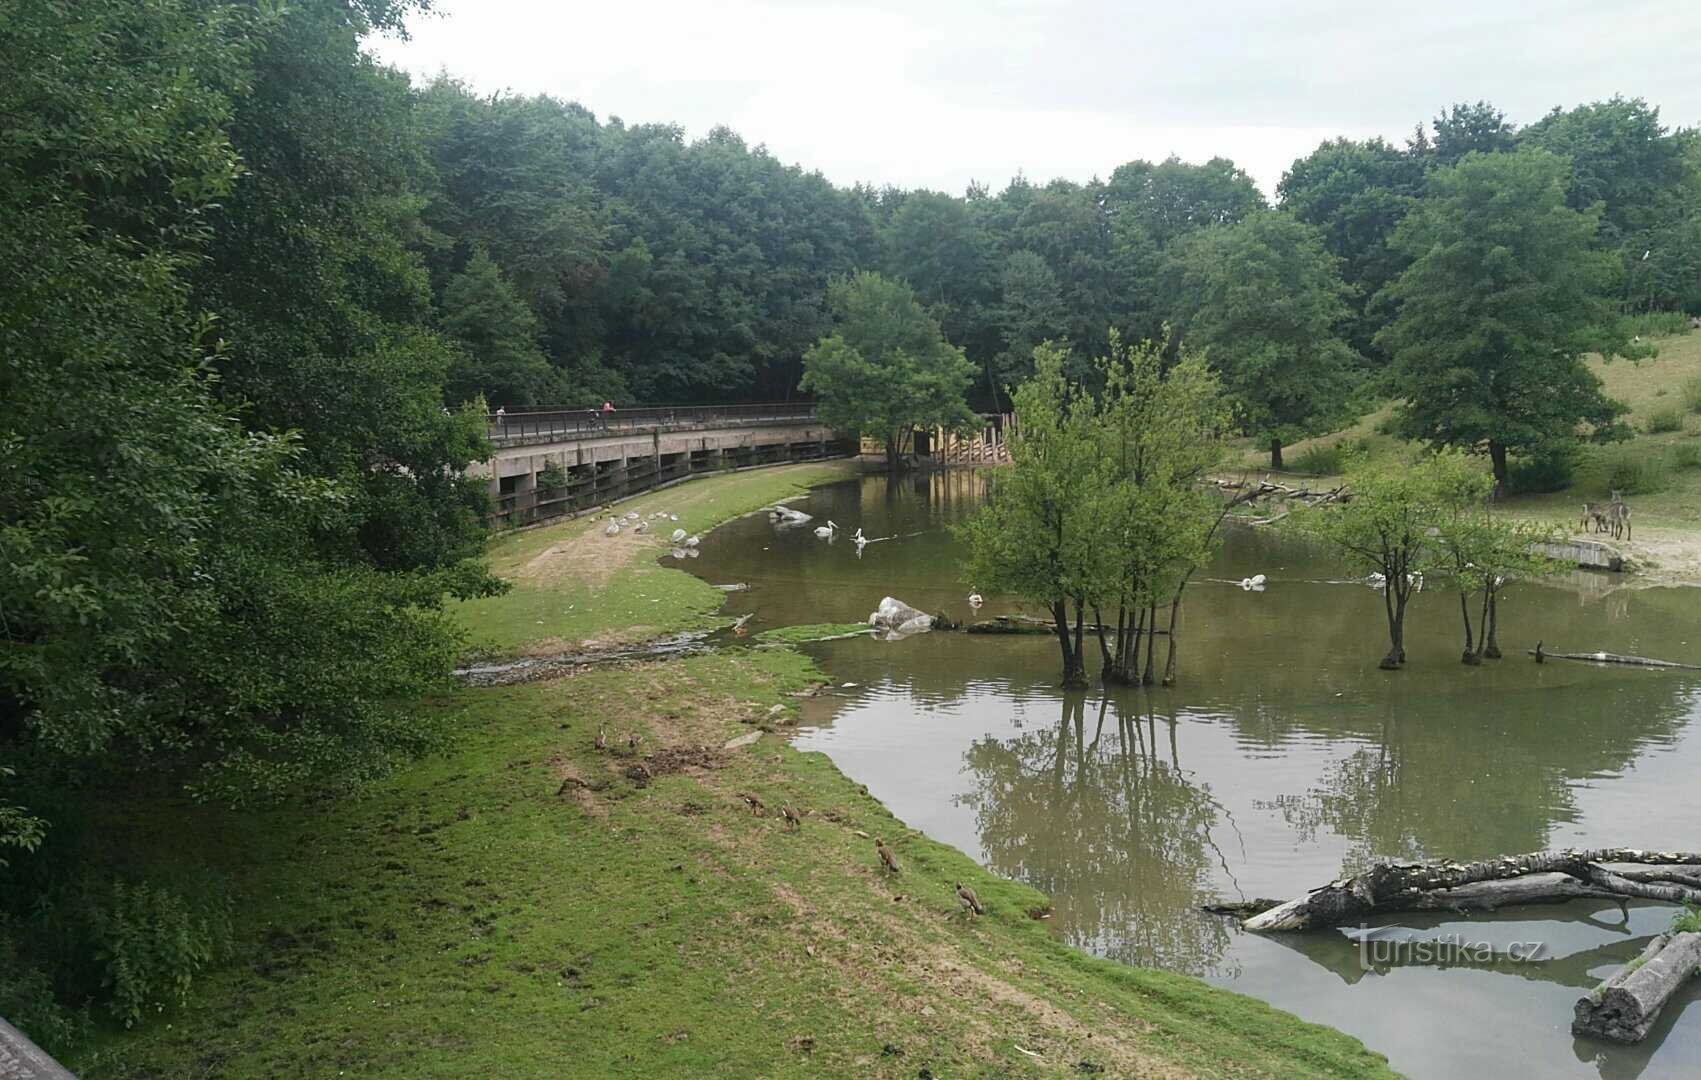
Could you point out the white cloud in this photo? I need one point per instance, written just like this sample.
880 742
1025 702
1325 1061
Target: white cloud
920 94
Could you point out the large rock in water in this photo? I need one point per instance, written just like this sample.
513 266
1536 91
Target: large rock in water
897 620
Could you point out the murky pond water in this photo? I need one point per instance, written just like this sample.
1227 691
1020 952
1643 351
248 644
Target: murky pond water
1282 759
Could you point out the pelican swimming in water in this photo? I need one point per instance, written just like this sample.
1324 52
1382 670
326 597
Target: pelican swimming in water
975 600
1255 583
825 532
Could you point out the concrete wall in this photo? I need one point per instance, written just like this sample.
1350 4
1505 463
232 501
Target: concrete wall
21 1059
1588 554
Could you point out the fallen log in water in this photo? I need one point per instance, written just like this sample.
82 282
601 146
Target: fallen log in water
1610 658
1512 879
1625 1006
1025 624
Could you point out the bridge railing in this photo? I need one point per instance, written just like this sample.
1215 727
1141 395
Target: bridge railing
539 425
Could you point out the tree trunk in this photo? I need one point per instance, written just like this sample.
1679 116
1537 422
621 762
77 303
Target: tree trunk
1169 659
1275 453
1080 657
1625 1007
1491 642
1106 661
1401 887
1071 663
892 442
1151 642
1391 662
1497 454
1470 655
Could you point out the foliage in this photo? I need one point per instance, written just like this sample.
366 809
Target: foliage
1660 324
1691 392
1160 431
1355 193
1264 300
886 370
1637 472
1551 468
1037 536
502 362
1686 456
1384 529
1687 921
1102 509
1662 419
1479 550
1322 459
1506 292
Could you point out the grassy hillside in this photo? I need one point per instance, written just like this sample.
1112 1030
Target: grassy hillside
530 905
1659 468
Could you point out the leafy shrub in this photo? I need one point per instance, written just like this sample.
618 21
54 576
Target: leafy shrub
1550 470
1665 418
1660 324
1692 427
1686 456
27 999
1637 472
1321 460
552 477
152 942
1691 393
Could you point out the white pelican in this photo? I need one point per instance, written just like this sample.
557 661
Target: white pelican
825 532
975 600
678 535
613 528
692 541
1255 583
632 515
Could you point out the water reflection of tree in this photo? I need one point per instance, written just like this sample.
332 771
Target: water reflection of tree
1102 817
1484 778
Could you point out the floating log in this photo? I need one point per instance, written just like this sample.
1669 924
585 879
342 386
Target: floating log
1610 658
1391 887
1625 1007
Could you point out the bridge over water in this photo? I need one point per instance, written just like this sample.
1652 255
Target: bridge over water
550 462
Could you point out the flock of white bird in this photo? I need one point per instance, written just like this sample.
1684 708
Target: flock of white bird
685 546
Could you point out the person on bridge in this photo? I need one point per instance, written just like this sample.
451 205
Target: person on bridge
607 407
501 418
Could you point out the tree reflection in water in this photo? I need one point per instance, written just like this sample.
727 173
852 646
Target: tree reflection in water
1106 821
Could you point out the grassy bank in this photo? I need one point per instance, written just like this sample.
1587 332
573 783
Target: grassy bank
531 905
573 586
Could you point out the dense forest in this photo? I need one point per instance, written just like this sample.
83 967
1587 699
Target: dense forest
260 291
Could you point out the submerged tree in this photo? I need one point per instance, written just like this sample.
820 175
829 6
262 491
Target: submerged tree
1383 528
1039 534
1161 431
1481 551
886 370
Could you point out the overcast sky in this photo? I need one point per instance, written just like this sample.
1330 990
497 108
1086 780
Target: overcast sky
938 93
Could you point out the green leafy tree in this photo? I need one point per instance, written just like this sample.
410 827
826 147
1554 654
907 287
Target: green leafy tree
1356 193
502 361
1161 431
1481 551
1506 293
886 370
1040 534
1385 530
1266 301
1031 310
1463 129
